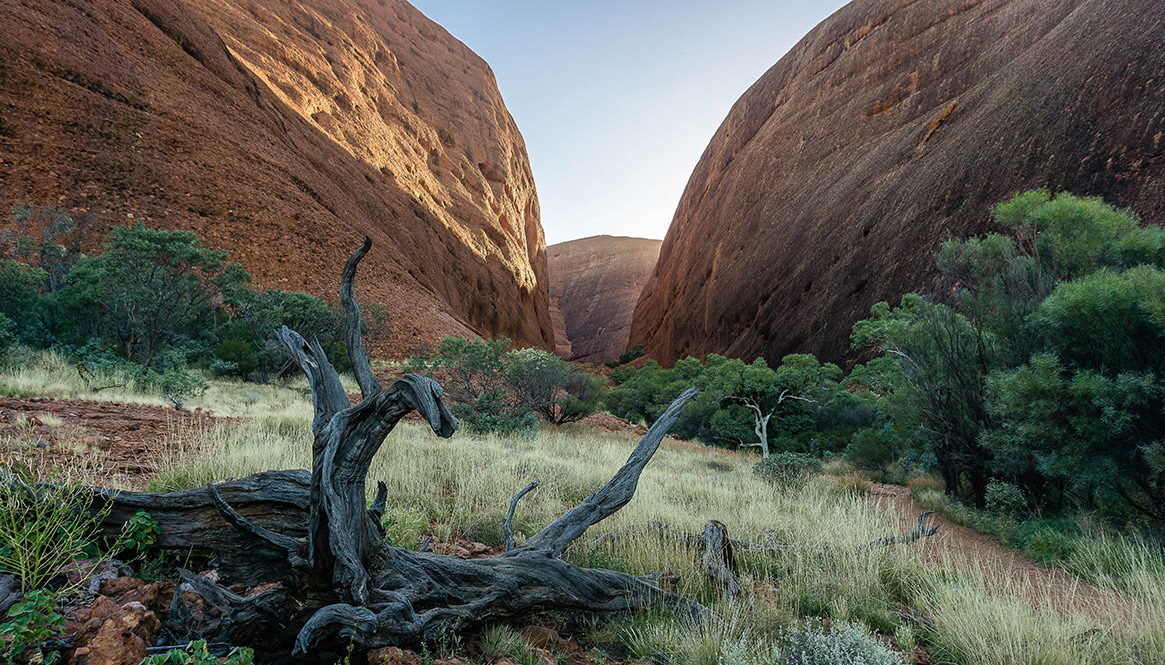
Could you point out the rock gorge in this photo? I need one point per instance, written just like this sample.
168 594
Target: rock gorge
285 133
890 125
594 285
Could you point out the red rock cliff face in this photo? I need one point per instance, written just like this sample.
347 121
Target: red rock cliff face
594 285
285 133
889 125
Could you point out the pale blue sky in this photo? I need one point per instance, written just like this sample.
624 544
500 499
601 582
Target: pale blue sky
617 100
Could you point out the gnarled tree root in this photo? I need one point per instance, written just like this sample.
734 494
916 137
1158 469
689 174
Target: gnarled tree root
317 552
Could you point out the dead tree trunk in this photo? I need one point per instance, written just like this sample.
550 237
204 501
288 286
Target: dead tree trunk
335 579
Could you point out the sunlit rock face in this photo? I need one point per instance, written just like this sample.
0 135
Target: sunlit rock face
594 285
890 125
285 133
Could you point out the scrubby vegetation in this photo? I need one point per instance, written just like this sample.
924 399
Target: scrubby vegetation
1032 386
154 307
1024 399
963 614
495 388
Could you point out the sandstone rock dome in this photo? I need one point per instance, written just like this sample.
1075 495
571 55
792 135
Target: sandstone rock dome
594 285
891 124
284 133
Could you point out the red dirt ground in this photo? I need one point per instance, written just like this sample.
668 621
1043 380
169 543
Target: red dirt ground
116 444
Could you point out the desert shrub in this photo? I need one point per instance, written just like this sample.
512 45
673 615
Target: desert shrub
258 313
872 450
748 405
494 388
1005 499
20 299
170 376
8 338
551 387
787 469
846 643
239 355
631 354
1043 363
494 411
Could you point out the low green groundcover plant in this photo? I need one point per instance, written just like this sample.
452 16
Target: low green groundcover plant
846 643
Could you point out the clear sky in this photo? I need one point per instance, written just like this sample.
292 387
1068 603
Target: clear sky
617 99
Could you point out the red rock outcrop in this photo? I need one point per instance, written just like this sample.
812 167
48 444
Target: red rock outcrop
285 133
594 285
891 124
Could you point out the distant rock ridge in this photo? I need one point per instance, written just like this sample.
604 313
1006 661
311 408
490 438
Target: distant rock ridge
594 285
285 133
890 125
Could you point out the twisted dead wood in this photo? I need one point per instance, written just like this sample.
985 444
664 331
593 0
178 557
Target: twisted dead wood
331 579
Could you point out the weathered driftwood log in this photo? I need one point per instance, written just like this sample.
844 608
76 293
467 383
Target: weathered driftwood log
331 578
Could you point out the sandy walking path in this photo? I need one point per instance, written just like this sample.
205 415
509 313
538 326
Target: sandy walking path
1003 569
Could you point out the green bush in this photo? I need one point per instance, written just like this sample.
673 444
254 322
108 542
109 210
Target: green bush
872 450
28 626
1005 499
550 386
845 644
239 354
8 338
631 354
196 653
492 411
787 469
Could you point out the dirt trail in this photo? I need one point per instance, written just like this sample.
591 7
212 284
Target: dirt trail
1004 569
115 444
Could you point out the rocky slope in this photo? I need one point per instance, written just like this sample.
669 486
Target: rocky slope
594 285
889 125
285 133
